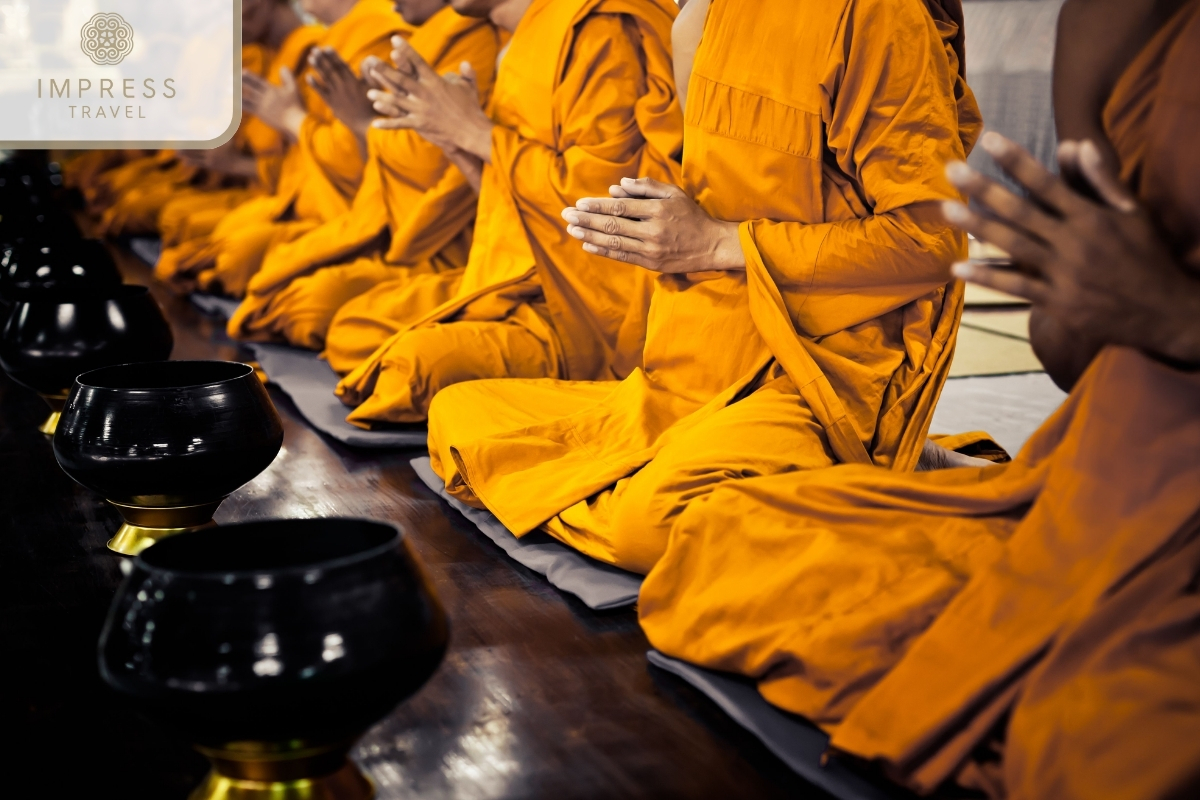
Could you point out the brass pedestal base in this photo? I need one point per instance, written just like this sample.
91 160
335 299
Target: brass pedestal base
56 403
145 526
263 771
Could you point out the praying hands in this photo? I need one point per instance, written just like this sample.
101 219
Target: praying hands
444 110
278 106
343 91
1097 267
656 226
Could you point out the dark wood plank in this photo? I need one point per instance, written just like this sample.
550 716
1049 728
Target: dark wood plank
538 697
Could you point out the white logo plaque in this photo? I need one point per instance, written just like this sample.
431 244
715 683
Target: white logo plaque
119 73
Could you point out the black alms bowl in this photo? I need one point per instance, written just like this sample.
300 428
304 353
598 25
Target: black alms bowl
289 638
54 333
168 434
67 262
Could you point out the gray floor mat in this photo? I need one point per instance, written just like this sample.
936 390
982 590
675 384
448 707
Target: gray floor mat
598 585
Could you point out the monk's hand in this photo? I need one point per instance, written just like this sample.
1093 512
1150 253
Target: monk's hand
278 106
1095 265
343 91
656 226
443 110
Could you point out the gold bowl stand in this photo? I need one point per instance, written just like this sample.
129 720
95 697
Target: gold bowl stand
144 526
288 771
56 403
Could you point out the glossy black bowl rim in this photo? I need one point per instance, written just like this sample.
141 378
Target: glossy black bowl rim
70 293
82 383
140 563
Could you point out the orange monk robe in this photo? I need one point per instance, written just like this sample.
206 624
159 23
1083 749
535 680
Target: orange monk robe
133 194
195 211
411 215
82 170
572 119
912 615
831 138
318 178
906 613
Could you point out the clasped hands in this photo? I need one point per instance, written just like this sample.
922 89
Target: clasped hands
445 110
1095 264
656 226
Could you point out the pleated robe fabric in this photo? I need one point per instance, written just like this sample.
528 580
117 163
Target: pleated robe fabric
830 139
1030 629
412 214
583 97
194 211
318 178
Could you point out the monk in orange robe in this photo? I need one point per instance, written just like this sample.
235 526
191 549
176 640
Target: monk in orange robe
324 163
1032 629
411 215
803 316
130 198
583 96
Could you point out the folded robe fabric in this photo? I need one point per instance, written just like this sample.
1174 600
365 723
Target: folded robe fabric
598 585
584 97
834 343
412 213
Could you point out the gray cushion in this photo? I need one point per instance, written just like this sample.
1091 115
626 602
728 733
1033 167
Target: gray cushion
797 742
598 585
310 382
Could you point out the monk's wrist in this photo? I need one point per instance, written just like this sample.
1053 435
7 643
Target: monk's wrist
293 121
478 142
727 254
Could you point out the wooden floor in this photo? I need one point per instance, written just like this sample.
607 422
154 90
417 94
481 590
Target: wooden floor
538 697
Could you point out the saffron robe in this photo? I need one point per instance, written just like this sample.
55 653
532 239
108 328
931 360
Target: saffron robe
572 119
1049 603
318 178
196 210
830 140
412 213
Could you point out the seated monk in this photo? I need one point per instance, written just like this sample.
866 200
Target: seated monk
130 198
1031 629
583 96
803 315
411 215
323 167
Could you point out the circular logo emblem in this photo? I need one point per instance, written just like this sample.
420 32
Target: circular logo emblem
107 39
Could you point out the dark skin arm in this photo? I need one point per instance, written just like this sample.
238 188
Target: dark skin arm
1097 267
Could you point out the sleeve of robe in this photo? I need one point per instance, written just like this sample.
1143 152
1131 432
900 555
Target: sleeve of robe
596 110
891 124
